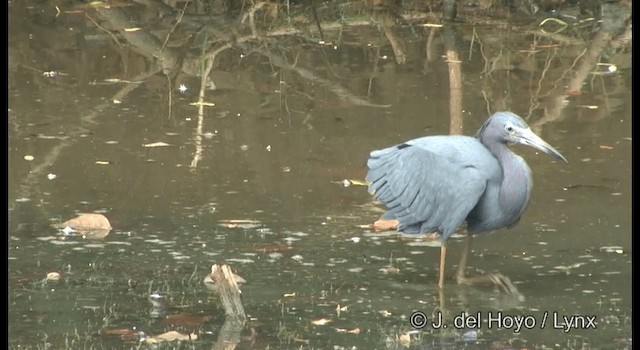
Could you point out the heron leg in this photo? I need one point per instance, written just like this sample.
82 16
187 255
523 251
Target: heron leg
463 259
500 281
443 254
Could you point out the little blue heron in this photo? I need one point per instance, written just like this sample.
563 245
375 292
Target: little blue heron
435 183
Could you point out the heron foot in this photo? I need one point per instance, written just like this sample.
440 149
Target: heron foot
500 281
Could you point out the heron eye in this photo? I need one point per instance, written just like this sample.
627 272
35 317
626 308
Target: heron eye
509 128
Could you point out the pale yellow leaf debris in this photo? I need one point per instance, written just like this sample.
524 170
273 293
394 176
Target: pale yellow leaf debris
156 144
350 182
53 276
240 221
171 336
349 331
289 295
135 29
206 104
404 339
102 162
354 331
321 321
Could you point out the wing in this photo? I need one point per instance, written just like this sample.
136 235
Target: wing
428 188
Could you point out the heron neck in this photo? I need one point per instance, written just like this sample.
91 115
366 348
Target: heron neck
516 182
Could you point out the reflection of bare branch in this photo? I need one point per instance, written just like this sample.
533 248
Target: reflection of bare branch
115 39
624 38
340 91
29 184
535 97
251 15
204 77
178 21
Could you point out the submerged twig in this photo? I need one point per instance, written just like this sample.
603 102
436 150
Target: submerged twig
225 282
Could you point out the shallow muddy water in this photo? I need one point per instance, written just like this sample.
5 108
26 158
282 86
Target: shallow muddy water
254 177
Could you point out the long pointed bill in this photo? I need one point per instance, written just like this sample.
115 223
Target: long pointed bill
527 137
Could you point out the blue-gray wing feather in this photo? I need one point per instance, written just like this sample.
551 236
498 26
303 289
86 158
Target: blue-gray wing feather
428 184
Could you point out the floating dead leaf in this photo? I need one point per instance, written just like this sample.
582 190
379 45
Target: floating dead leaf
89 225
102 162
156 144
241 223
389 269
135 29
547 46
385 225
53 276
289 295
588 106
404 339
321 321
606 147
170 336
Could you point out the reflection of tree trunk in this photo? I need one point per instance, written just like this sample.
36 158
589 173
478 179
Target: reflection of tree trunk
449 10
589 60
586 64
387 20
455 81
142 41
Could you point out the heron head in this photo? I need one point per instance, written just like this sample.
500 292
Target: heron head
510 129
